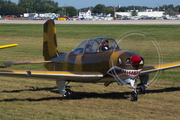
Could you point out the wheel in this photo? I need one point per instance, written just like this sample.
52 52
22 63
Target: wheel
134 96
67 94
140 89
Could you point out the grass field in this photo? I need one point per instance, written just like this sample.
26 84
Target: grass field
26 99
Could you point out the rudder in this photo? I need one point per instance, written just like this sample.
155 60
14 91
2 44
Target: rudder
50 49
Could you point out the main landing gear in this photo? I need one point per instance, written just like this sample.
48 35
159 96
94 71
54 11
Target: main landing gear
61 84
68 94
140 89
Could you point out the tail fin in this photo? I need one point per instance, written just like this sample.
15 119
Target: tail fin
50 49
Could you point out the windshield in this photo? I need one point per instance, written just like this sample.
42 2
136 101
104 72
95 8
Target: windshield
80 48
91 46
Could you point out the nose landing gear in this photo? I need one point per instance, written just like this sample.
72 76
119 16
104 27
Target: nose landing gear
140 89
134 96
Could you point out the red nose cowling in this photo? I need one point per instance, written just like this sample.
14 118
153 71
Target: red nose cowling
135 60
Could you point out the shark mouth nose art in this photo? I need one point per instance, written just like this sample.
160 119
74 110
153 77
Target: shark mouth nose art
118 71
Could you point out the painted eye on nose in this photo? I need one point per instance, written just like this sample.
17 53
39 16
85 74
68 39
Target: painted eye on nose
120 61
128 61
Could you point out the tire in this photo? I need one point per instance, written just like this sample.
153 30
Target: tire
134 96
67 94
140 89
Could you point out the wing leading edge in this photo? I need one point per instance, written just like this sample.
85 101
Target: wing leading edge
64 75
155 68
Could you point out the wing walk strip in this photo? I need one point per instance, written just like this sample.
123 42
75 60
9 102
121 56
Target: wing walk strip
155 68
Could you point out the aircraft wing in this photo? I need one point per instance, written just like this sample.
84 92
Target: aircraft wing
64 75
155 68
26 62
6 46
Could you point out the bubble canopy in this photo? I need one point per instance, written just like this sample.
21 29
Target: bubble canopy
96 45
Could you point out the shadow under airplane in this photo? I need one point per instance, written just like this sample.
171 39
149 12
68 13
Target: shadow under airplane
2 66
82 95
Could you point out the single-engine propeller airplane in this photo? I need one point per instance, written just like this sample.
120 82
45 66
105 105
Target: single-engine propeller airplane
93 61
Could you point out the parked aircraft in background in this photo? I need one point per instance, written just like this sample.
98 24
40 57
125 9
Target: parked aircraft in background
98 60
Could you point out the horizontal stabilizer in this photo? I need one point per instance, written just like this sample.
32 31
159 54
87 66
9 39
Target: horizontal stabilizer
26 62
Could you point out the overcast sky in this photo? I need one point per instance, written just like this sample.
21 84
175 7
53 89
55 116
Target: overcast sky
83 3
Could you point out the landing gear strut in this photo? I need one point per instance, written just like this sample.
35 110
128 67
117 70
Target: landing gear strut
134 96
61 84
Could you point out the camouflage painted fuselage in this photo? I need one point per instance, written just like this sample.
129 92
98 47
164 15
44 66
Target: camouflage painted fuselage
95 62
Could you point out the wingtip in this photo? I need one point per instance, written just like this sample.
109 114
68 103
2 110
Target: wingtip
7 46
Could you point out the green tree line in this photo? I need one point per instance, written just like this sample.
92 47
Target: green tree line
34 6
10 8
49 6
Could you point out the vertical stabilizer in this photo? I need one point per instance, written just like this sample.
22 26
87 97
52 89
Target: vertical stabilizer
50 49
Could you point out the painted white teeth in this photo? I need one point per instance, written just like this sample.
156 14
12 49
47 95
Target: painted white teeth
120 71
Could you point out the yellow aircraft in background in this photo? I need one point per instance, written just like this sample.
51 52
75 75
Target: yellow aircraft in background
98 60
7 46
